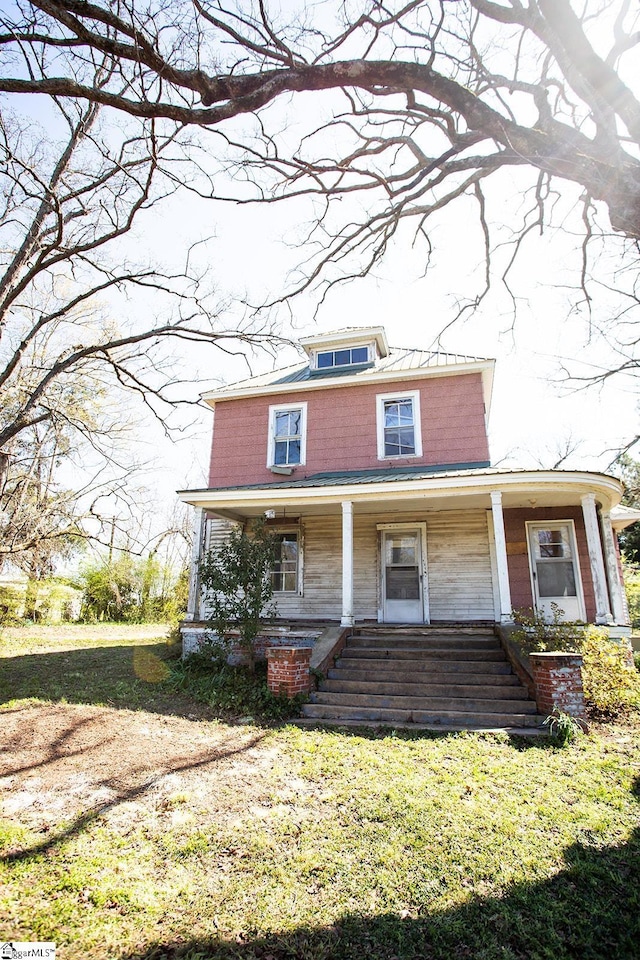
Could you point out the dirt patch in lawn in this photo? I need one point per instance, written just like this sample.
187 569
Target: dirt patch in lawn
62 763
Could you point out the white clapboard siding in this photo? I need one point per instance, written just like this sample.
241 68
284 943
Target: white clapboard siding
322 576
217 533
322 572
459 565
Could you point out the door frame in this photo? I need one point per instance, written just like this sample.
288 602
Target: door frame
531 525
421 529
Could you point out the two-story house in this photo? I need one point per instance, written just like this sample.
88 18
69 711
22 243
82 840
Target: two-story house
372 466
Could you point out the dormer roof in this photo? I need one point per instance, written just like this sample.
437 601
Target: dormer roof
347 337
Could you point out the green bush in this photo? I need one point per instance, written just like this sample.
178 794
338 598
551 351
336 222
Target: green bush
535 634
563 728
236 577
131 589
611 685
632 588
231 691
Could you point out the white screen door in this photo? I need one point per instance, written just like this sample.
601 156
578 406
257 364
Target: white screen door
402 587
554 569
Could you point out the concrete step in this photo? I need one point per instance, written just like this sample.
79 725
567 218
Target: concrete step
422 653
438 641
386 671
442 726
435 704
424 689
422 630
479 720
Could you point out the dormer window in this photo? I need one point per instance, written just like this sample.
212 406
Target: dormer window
342 358
345 350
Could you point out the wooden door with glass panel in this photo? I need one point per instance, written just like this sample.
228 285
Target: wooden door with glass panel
554 569
402 586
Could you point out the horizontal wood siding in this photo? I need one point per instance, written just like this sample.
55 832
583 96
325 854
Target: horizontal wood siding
322 558
459 565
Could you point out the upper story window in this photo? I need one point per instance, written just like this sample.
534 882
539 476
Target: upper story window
399 433
287 435
350 356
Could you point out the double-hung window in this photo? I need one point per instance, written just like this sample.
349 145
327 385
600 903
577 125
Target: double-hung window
284 575
399 432
287 435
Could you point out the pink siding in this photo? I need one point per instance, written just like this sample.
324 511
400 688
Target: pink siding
341 429
518 557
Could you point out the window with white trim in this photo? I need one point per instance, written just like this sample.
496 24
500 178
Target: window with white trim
347 357
399 433
287 435
286 567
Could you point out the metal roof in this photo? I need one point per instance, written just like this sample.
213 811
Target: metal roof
399 360
340 478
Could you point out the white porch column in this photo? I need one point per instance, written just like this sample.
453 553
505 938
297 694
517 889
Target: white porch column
193 601
596 561
504 589
347 564
616 588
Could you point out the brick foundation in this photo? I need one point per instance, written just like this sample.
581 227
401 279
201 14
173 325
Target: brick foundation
558 683
288 670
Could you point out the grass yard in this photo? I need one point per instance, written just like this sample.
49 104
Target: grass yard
137 825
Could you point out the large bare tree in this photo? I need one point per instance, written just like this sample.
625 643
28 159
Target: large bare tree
439 94
384 114
86 319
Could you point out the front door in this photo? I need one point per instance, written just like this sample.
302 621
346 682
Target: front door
554 569
402 576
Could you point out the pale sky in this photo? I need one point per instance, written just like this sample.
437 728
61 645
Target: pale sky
252 253
533 413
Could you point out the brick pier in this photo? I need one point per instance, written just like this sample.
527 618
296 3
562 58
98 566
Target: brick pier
288 670
558 683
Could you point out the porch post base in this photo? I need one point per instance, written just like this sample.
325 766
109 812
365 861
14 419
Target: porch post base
347 622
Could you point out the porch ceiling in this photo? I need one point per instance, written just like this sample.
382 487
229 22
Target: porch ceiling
420 494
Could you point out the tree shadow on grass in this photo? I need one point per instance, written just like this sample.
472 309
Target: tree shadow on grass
590 910
128 677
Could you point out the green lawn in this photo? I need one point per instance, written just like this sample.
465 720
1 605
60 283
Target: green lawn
294 843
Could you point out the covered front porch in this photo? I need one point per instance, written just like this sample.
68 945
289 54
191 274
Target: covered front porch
430 547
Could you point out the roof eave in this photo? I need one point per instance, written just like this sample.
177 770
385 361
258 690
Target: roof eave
609 489
484 367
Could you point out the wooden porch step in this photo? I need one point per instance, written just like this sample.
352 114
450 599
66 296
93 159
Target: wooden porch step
440 726
434 641
455 678
453 719
421 671
422 688
422 653
437 705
